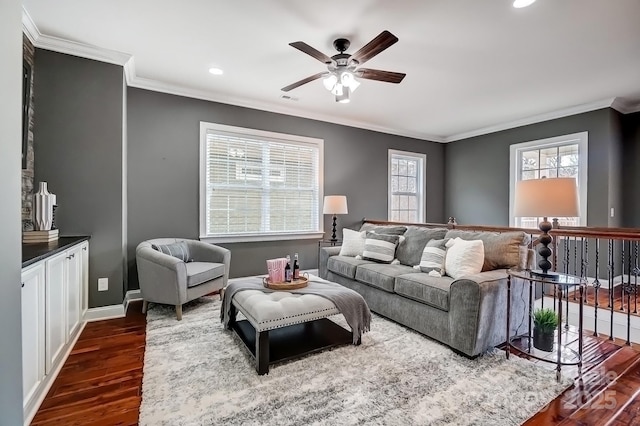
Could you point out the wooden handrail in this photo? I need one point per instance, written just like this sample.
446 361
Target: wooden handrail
632 234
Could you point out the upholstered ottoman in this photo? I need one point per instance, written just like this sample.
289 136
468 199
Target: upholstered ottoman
283 325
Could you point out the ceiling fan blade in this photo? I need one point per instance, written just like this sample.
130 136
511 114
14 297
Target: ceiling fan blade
379 75
383 41
303 81
304 47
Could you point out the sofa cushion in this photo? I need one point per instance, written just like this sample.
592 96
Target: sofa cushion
201 272
344 265
380 247
384 229
416 238
500 250
381 276
419 286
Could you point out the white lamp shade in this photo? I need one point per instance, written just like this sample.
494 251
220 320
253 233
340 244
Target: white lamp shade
547 197
335 204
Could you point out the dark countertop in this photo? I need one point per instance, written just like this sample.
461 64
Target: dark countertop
32 253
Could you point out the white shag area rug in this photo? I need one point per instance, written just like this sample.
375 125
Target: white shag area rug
197 373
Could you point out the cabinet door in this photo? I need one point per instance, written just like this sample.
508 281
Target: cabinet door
55 309
84 283
33 341
74 262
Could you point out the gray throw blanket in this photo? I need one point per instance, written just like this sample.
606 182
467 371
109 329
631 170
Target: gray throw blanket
349 303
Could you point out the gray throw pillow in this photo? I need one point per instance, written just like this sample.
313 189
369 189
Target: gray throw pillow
178 250
409 251
380 248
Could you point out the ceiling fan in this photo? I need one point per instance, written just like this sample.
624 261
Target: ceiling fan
342 68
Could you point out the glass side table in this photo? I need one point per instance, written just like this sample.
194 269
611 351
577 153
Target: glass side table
564 355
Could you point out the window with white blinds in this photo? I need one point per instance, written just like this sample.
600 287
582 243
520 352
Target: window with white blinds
406 186
258 185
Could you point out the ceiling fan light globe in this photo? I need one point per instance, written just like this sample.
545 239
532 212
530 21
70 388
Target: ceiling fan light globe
330 82
354 85
337 90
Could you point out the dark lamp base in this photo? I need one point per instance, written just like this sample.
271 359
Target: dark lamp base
550 275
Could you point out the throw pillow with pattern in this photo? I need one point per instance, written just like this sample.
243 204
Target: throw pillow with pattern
433 256
380 248
179 250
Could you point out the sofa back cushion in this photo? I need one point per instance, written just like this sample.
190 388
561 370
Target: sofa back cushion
380 247
415 240
384 229
500 250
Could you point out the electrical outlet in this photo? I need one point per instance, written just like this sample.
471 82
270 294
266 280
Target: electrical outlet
103 284
612 212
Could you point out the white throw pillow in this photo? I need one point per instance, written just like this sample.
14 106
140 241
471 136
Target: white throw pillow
352 242
464 257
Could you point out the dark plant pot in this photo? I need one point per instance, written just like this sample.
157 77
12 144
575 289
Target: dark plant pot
543 340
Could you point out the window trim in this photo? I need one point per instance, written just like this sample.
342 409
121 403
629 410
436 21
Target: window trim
581 139
422 182
251 237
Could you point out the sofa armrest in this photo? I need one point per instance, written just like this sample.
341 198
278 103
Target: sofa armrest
325 254
162 278
478 310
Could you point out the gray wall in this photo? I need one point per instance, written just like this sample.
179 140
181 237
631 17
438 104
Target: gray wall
477 169
79 152
163 141
10 224
631 170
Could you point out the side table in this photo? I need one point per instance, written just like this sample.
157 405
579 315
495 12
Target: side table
564 355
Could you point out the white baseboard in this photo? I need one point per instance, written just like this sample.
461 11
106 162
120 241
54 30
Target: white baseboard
104 312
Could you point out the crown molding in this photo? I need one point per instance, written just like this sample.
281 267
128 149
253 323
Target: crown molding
174 89
29 27
625 106
564 112
82 50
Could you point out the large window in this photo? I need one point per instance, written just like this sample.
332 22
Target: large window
562 156
257 185
406 186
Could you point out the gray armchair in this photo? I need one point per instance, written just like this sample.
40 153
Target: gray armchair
167 279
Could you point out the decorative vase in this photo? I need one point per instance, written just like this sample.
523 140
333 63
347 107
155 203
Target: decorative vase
43 202
543 340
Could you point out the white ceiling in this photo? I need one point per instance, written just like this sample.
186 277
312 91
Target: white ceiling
472 66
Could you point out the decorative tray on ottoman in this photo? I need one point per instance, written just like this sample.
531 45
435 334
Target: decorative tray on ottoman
299 283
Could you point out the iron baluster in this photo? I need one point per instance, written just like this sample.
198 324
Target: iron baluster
611 267
596 287
622 276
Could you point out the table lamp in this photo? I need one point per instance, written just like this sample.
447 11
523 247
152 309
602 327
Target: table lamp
334 205
546 197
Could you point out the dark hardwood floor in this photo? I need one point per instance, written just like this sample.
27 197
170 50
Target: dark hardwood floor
101 381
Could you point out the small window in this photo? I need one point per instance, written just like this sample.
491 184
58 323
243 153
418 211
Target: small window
406 186
257 185
562 156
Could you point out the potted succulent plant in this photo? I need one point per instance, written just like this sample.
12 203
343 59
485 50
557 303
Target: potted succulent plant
545 322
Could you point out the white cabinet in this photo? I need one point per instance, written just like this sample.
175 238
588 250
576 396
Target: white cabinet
56 317
33 352
54 300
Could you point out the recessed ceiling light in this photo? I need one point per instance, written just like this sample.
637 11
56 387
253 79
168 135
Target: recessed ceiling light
522 3
216 71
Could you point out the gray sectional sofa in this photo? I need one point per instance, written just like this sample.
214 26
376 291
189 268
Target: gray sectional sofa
468 314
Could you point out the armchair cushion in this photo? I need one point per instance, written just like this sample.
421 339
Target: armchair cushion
200 272
179 250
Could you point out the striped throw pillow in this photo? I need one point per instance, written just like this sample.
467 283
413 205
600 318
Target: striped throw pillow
178 250
380 248
433 256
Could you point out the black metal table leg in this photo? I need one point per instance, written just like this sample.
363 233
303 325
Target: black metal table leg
262 352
